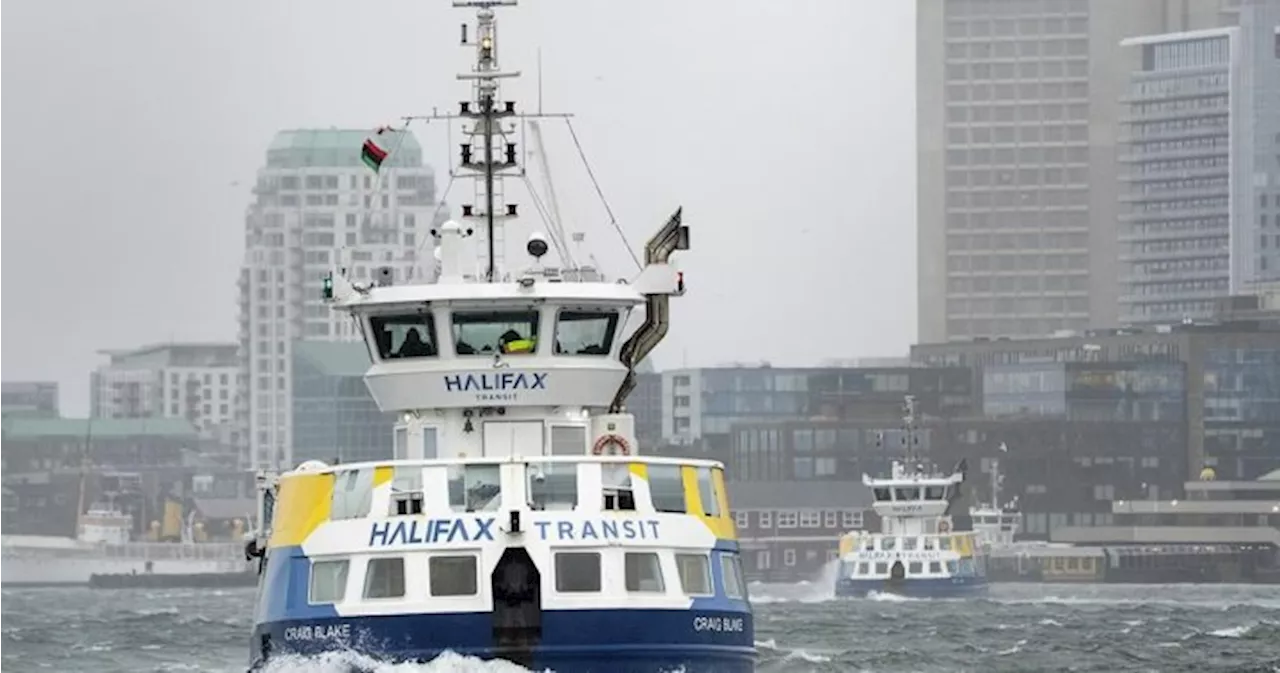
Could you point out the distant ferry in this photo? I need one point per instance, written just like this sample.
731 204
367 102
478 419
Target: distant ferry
917 552
517 520
104 545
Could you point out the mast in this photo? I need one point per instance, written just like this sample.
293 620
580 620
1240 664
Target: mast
909 427
487 129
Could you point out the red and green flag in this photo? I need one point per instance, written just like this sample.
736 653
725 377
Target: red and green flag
373 154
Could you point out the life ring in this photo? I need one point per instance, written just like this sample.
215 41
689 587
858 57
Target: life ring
944 527
616 440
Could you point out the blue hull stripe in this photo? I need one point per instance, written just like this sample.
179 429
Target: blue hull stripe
572 640
918 588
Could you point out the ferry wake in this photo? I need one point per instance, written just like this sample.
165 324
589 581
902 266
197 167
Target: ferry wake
518 519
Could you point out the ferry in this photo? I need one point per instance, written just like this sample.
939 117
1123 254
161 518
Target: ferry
997 524
518 519
106 543
917 553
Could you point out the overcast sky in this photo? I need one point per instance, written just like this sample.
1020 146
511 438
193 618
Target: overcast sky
784 127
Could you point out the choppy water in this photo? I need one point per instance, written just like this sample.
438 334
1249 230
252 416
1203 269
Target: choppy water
1111 629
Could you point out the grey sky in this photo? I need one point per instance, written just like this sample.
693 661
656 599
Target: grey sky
786 129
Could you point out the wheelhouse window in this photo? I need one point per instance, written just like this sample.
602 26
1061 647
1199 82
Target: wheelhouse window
731 568
577 572
489 332
553 486
585 331
352 496
328 581
404 336
644 572
384 578
475 488
695 574
707 492
452 576
666 488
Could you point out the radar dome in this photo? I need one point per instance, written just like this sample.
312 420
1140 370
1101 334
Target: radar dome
312 466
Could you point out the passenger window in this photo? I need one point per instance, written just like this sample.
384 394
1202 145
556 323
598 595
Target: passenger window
882 494
935 567
863 567
553 486
475 488
888 543
909 543
695 574
882 568
328 581
577 572
452 576
934 492
489 332
915 567
644 572
731 568
953 567
384 578
352 494
404 336
707 492
585 332
666 488
944 543
906 493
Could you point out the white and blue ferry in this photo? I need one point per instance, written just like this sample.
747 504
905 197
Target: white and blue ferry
917 552
517 519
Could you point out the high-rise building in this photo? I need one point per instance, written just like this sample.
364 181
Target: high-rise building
317 203
1018 110
193 381
1200 147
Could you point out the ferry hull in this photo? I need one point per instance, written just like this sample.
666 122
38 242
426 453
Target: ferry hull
918 588
571 641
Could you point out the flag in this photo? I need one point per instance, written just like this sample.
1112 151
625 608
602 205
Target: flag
372 154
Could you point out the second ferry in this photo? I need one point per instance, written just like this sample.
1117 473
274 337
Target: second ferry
518 520
918 552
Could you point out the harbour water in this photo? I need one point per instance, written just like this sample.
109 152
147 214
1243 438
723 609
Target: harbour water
799 628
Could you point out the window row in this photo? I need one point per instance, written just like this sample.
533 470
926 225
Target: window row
548 487
511 332
577 572
955 568
812 518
